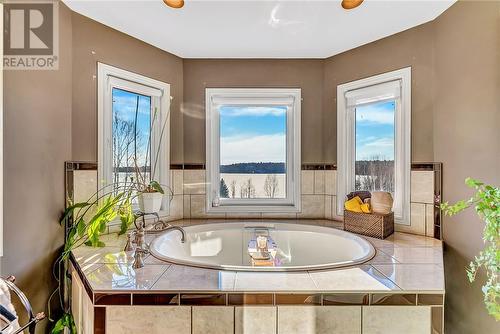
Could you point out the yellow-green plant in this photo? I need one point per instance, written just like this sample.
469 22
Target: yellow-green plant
486 202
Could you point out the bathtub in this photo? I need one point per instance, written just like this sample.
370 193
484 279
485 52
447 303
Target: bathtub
290 246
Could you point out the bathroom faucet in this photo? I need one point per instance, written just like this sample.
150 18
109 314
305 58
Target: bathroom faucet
137 237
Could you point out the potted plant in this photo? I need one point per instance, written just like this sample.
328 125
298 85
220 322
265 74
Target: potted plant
85 222
486 202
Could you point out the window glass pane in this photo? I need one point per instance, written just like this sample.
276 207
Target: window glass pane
252 152
131 135
374 167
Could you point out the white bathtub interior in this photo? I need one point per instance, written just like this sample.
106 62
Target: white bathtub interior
298 246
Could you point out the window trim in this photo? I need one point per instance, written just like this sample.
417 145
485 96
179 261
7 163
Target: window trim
214 97
110 77
402 140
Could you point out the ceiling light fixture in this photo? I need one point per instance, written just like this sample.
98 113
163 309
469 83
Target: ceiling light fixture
351 4
174 3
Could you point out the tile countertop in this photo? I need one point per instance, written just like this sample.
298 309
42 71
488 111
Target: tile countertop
403 263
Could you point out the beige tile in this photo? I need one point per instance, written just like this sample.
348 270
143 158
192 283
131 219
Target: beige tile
313 206
307 182
396 319
87 321
85 255
382 258
76 300
278 215
273 281
236 215
319 182
361 278
429 220
425 255
331 182
195 279
319 319
111 277
194 181
417 220
422 187
426 277
399 239
187 206
84 185
255 320
198 208
177 181
177 207
148 319
213 320
328 207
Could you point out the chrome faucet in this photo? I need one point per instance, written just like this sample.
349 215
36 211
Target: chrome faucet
137 237
178 228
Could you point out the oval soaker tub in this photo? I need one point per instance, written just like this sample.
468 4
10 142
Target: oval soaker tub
290 247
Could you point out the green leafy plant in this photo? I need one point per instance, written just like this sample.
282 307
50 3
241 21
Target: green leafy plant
85 222
486 202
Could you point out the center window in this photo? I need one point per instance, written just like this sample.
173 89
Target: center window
253 150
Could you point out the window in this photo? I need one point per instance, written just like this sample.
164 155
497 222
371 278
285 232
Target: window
133 110
253 150
373 117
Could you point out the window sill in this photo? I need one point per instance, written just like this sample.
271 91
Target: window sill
254 209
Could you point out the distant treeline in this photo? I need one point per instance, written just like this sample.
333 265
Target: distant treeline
254 168
367 167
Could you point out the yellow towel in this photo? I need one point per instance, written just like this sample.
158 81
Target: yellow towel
366 208
354 204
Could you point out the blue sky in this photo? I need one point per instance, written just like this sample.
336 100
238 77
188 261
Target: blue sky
252 134
375 131
124 104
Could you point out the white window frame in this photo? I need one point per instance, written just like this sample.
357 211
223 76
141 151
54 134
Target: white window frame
110 77
346 141
291 98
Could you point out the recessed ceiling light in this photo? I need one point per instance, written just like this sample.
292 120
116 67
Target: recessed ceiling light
351 4
174 3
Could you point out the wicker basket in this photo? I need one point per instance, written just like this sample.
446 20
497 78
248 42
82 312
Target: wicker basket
372 225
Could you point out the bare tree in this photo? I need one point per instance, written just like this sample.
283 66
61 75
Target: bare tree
124 140
232 189
376 173
247 189
271 185
123 137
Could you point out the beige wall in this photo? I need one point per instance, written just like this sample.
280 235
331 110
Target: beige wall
409 48
37 134
201 74
467 141
94 42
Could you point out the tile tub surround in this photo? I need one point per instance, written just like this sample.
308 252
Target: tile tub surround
318 191
339 300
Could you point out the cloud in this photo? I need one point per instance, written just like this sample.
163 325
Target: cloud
263 148
379 114
382 147
124 106
252 111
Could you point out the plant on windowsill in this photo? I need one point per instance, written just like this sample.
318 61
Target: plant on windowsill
85 222
486 202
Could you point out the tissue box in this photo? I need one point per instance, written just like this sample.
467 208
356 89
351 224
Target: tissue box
374 225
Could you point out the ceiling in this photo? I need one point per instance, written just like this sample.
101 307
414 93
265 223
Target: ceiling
259 28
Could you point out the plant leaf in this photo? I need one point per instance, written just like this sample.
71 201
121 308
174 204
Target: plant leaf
156 186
